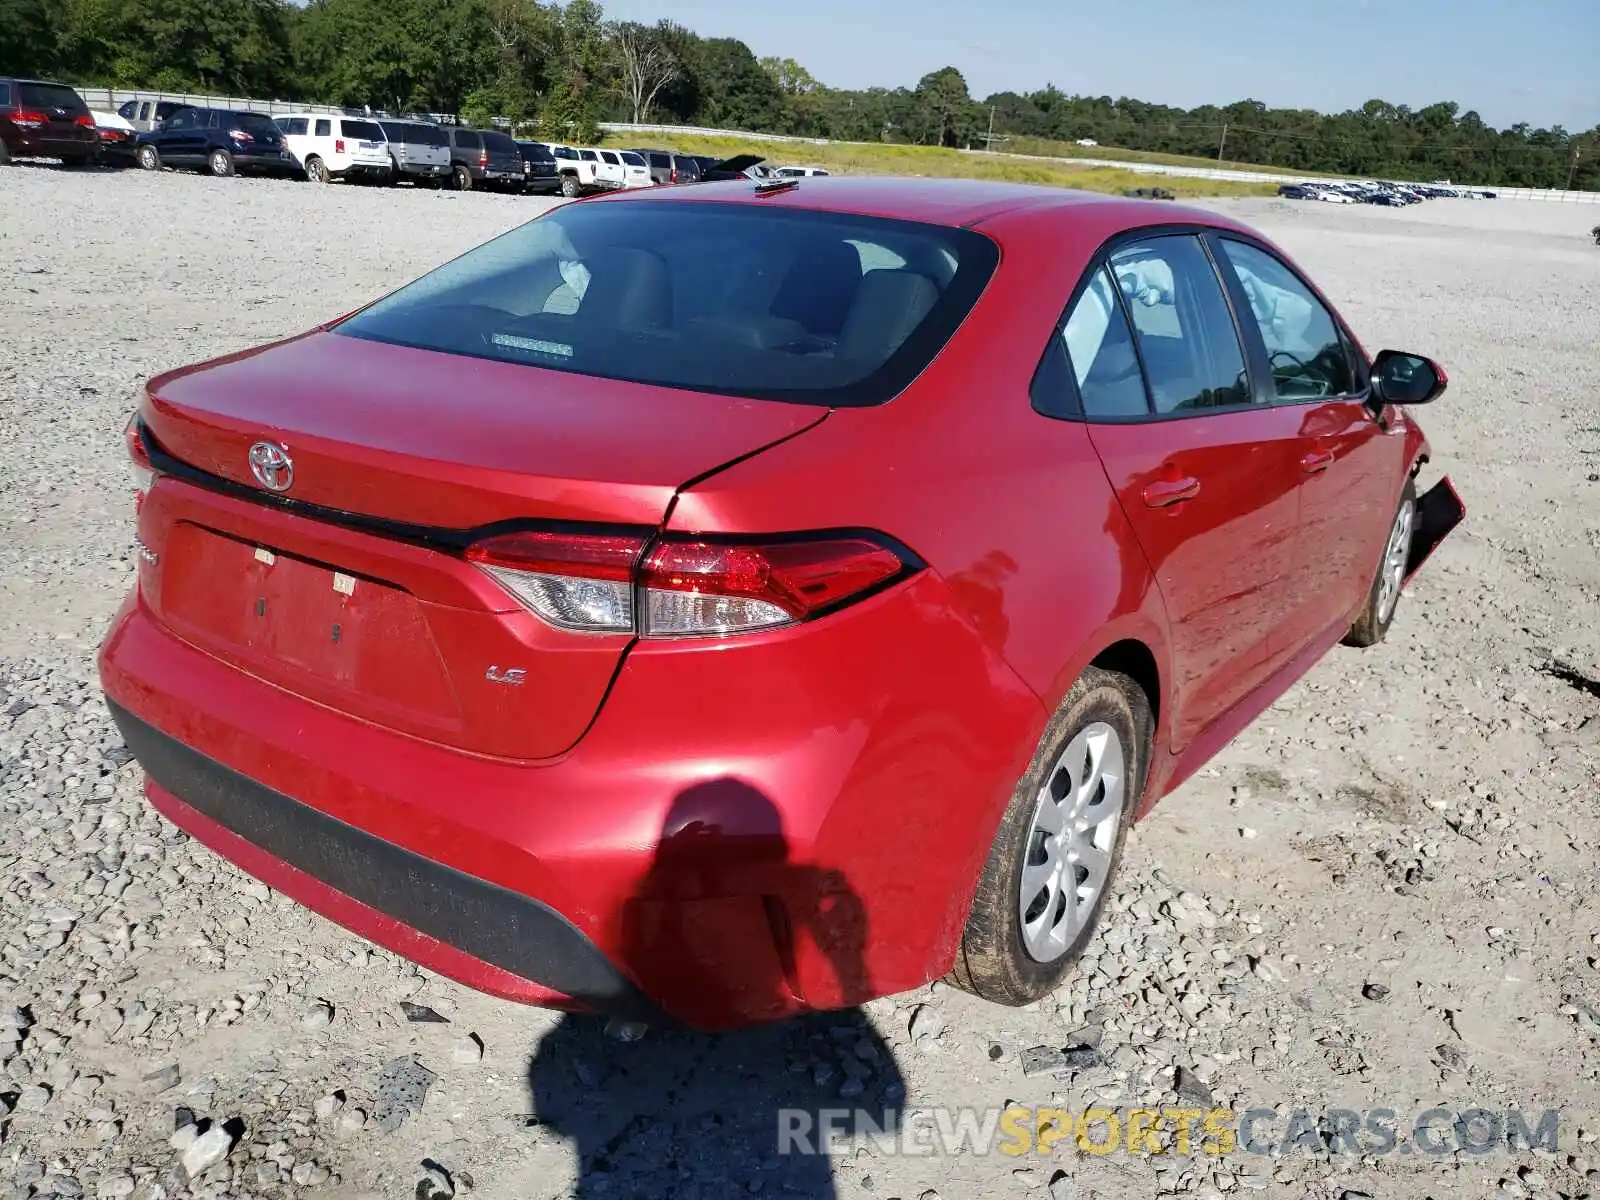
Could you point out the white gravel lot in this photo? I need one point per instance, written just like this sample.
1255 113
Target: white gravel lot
1409 922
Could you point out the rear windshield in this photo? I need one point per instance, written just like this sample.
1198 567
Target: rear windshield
49 96
536 150
414 135
770 303
500 143
466 139
365 131
564 152
632 159
253 123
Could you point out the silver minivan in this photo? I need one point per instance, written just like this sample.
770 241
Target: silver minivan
419 151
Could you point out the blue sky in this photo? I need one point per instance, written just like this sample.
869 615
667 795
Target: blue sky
1536 61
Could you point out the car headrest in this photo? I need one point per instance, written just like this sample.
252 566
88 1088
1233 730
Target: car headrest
628 289
888 307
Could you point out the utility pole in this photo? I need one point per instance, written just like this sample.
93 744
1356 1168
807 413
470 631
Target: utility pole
1222 145
1573 169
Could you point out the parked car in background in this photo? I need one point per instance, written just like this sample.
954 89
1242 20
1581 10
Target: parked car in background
597 172
539 174
221 141
669 167
635 169
418 150
145 115
39 119
1294 191
797 172
571 478
740 166
482 158
117 138
329 148
570 169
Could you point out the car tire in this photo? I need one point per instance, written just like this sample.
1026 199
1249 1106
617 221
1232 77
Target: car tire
569 187
5 157
317 170
394 172
149 158
220 163
1092 759
1383 599
461 178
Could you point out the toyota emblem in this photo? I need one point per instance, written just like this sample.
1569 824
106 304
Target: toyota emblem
271 465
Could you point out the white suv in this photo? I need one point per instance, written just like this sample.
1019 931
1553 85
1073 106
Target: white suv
329 148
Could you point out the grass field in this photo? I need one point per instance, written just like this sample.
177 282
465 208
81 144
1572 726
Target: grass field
1046 148
855 159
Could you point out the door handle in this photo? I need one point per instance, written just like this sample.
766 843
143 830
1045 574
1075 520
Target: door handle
1317 460
1163 492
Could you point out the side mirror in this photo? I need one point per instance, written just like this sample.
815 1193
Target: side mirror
1407 378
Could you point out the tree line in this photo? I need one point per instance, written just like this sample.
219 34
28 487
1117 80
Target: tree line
564 69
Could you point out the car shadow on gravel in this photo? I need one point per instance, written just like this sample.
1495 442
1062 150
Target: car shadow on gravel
694 1116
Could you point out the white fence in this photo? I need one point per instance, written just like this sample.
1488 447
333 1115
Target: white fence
1230 174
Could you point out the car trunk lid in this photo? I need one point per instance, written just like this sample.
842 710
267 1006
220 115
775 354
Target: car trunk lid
350 587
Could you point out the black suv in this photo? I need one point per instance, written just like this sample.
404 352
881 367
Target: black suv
483 156
539 175
45 120
219 140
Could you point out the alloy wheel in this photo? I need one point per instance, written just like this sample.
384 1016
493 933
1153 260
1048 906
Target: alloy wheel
1071 841
1395 556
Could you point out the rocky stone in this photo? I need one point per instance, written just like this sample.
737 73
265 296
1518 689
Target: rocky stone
318 1016
205 1151
467 1050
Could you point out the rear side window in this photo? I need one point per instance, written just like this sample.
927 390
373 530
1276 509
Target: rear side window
395 132
610 157
293 125
49 96
587 155
768 303
466 139
253 123
362 131
1308 357
323 128
1182 324
661 160
632 159
566 152
1099 347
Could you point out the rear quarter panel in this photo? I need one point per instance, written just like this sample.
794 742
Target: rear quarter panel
1010 509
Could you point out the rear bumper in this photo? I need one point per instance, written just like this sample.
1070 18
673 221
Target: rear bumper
78 144
384 891
425 170
746 832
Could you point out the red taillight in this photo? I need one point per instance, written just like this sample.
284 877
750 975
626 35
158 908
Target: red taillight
83 121
29 119
672 175
683 587
695 588
144 472
338 145
483 158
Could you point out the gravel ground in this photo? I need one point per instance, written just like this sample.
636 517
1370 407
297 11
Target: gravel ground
1379 897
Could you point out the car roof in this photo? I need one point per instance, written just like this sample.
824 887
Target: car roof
935 201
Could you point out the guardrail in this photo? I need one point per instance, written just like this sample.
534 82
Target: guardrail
110 99
1231 174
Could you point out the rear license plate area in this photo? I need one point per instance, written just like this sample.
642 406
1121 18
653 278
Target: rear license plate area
306 624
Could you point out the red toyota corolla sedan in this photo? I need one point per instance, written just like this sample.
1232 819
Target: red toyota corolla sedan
720 603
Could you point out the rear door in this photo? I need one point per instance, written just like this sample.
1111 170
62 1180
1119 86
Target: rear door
1203 469
1350 462
364 143
61 108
